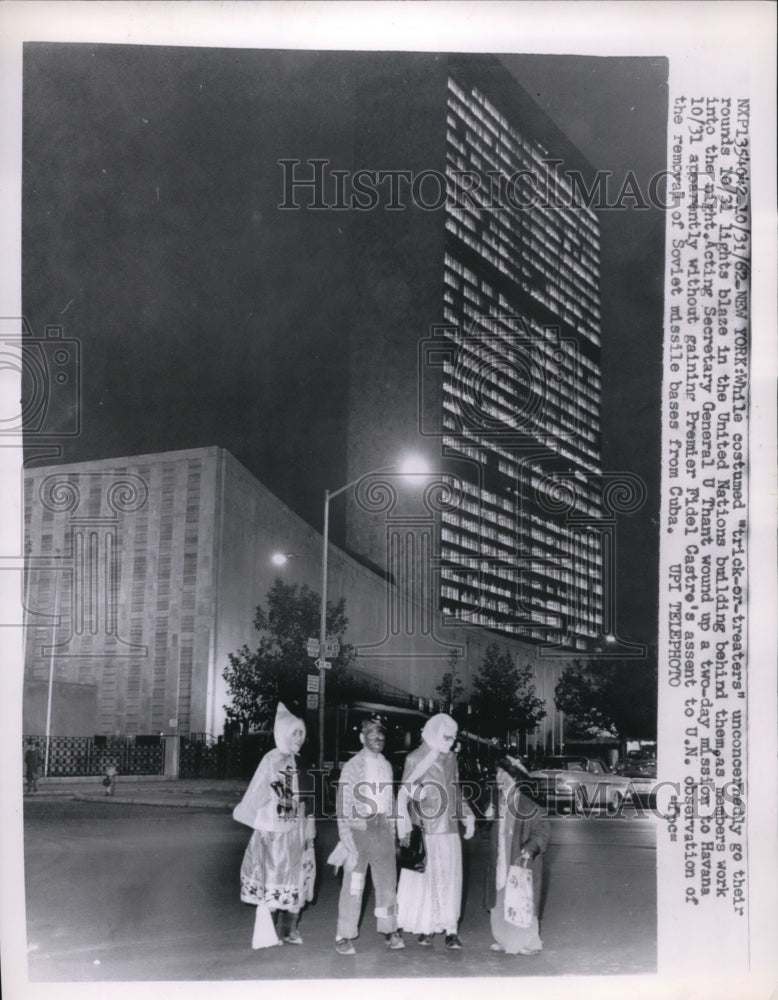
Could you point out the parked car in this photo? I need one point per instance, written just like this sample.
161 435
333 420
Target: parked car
641 772
579 783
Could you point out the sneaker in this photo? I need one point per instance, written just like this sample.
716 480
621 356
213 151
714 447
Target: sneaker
425 940
344 947
496 946
394 941
453 943
293 937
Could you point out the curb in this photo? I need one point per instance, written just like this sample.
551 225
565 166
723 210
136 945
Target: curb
175 804
212 804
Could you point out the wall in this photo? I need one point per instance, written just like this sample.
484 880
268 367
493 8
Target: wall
73 709
120 580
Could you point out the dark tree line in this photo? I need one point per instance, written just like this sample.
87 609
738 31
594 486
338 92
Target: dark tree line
277 669
613 697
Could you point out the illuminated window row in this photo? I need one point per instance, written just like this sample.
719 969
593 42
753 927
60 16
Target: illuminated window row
564 542
481 528
487 114
556 426
587 564
581 361
454 575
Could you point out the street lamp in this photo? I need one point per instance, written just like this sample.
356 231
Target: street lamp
50 692
281 558
413 465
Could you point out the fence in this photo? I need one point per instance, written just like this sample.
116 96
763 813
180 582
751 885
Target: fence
87 756
202 756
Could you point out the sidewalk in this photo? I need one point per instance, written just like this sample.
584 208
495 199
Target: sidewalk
192 793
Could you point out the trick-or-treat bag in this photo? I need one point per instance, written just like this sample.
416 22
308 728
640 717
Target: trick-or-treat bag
518 896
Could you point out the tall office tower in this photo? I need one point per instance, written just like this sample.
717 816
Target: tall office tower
521 397
509 376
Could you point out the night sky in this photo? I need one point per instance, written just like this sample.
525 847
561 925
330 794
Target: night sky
150 208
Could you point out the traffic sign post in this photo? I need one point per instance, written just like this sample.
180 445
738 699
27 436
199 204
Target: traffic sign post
331 648
313 683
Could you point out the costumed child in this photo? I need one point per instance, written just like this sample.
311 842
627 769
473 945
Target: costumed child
279 867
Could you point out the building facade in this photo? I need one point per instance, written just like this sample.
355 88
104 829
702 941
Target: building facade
481 348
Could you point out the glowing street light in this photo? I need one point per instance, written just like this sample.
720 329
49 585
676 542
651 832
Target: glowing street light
412 465
281 558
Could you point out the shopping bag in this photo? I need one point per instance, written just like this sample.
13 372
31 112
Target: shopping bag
309 873
519 896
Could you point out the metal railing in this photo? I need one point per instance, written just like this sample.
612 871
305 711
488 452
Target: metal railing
88 756
203 756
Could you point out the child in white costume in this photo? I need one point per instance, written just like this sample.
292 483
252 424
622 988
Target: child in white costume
279 867
428 903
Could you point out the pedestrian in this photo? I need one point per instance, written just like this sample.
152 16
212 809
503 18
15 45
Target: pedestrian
279 866
32 767
519 837
367 831
109 779
429 902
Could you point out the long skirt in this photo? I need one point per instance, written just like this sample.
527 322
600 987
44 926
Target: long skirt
515 940
273 872
429 902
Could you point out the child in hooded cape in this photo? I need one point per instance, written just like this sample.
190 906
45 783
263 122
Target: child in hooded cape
279 868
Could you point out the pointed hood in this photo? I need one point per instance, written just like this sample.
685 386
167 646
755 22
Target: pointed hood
284 723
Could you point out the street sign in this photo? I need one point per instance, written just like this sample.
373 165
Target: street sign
323 664
313 701
331 648
313 683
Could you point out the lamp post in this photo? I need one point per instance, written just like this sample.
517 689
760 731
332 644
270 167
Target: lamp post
411 466
50 692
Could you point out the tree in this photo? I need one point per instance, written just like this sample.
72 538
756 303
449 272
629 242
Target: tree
614 697
451 688
504 698
276 671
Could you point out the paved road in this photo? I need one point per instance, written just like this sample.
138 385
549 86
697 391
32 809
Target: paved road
134 893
